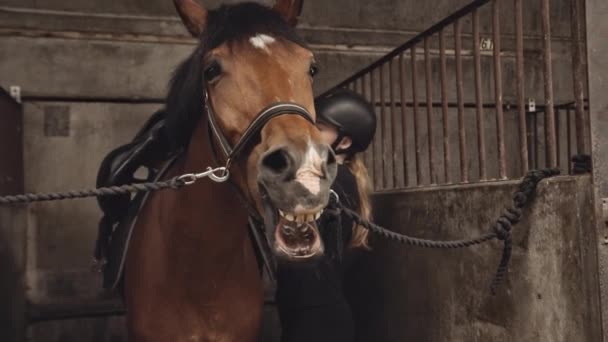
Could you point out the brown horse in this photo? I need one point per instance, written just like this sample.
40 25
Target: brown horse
191 273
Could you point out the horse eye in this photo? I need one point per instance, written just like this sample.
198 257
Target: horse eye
314 69
212 71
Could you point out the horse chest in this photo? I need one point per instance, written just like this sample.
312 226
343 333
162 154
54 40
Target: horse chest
192 288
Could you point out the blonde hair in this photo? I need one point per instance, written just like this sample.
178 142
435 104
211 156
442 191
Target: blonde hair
356 165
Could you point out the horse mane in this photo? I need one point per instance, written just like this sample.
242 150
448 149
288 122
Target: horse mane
228 23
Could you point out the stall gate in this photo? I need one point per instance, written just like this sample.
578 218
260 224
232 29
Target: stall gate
464 110
475 98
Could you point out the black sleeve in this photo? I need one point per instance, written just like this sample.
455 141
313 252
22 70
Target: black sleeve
345 186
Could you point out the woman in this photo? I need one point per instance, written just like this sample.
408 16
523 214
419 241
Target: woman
311 300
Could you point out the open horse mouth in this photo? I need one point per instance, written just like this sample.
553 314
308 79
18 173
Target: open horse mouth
294 184
297 237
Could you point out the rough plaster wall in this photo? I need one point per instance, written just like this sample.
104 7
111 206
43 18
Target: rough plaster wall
346 35
407 293
597 26
91 130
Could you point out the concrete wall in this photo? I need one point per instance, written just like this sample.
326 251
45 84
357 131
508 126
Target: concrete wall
407 293
597 27
61 235
127 49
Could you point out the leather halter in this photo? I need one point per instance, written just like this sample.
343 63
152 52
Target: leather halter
272 111
232 152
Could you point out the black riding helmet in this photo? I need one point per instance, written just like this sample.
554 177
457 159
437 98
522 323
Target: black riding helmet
351 114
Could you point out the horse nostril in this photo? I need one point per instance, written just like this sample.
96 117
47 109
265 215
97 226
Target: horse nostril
276 161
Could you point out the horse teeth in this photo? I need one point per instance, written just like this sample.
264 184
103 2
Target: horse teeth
300 218
318 214
310 217
281 213
289 217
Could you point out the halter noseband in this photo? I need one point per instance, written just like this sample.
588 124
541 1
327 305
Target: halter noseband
272 111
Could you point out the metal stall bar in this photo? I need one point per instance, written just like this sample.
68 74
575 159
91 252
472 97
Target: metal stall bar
466 10
429 109
481 135
569 134
394 128
536 144
551 155
406 176
444 109
467 105
520 85
462 135
377 139
558 140
578 71
369 153
416 121
500 121
386 135
372 94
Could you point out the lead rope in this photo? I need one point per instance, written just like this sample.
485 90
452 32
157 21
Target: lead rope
218 175
500 230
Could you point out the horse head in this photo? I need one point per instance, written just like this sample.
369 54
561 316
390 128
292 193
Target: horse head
250 62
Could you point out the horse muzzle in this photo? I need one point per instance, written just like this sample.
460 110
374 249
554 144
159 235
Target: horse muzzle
296 184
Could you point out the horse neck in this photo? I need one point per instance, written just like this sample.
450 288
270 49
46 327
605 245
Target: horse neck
212 213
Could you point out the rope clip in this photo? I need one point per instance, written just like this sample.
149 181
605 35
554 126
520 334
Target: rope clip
218 175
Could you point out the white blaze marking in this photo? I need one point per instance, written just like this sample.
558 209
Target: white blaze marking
309 173
261 41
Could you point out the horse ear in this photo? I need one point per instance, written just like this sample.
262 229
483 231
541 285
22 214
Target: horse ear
289 9
194 16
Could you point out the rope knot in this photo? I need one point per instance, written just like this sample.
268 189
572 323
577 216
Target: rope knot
520 199
502 228
514 215
177 183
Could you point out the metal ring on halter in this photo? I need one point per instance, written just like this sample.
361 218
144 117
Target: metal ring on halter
335 194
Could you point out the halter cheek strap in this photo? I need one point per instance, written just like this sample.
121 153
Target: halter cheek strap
274 110
232 152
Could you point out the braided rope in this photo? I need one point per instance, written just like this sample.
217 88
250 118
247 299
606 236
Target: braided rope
501 229
174 183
